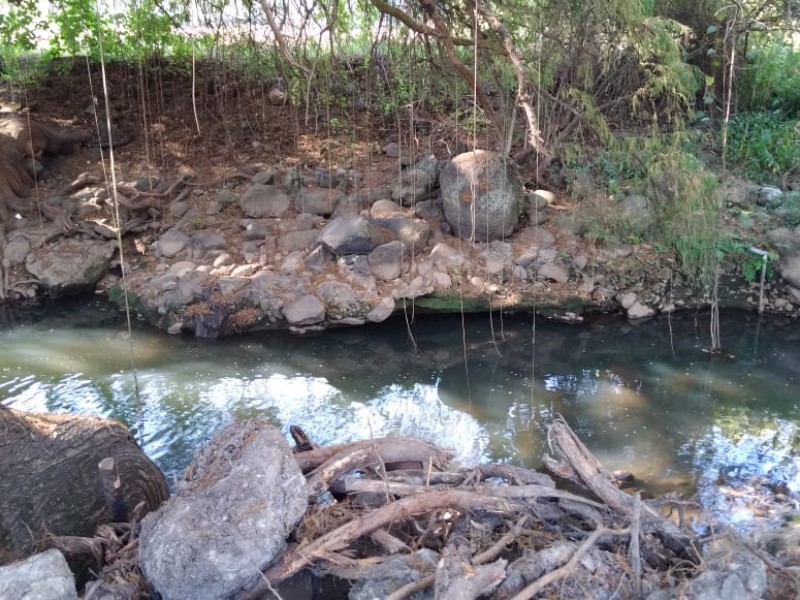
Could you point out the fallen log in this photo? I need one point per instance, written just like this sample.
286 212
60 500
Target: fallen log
593 475
51 482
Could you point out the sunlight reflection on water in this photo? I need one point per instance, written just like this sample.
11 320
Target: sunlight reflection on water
679 420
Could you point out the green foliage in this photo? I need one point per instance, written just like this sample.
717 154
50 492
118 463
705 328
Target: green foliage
765 146
671 84
738 250
687 203
770 82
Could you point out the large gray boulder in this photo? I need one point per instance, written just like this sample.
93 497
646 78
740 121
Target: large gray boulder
417 182
44 576
70 266
481 196
264 201
353 235
317 201
245 496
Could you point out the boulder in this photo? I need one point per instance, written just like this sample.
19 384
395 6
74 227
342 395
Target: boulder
298 240
769 197
245 495
264 201
70 266
172 243
353 235
417 182
553 272
386 261
44 576
413 234
637 310
317 201
341 301
266 290
382 311
306 310
481 195
386 209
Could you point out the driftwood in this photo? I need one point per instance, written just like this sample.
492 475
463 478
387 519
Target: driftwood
51 482
495 531
387 450
414 508
591 473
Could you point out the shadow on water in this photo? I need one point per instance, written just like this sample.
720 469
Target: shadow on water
644 397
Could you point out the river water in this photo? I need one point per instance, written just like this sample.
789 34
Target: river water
644 397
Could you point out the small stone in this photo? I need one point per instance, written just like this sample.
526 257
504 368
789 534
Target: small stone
255 230
178 208
265 177
226 197
770 197
392 150
627 300
172 242
306 310
553 272
640 311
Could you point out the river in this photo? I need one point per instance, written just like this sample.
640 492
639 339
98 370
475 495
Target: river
644 397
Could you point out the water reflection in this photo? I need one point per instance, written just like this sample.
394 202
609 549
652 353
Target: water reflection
644 397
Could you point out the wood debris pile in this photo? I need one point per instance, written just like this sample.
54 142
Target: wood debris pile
388 517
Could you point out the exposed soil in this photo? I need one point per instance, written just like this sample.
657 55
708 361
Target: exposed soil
219 128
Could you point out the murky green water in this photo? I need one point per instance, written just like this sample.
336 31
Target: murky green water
643 397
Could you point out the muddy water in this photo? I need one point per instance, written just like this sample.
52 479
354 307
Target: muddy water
644 397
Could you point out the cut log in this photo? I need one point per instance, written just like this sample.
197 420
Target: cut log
51 479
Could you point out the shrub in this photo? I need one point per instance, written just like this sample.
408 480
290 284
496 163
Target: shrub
765 146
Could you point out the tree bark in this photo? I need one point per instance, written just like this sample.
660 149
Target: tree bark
50 481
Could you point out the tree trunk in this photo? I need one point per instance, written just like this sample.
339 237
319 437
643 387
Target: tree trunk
50 481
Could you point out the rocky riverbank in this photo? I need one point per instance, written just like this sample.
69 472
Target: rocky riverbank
309 249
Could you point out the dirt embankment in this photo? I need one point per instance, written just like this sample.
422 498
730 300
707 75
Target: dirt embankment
224 190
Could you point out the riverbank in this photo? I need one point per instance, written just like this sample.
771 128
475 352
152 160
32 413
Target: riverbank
327 229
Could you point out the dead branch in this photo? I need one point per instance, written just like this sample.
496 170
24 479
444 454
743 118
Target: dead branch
466 74
423 29
366 524
130 190
390 450
553 576
563 441
458 579
524 95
